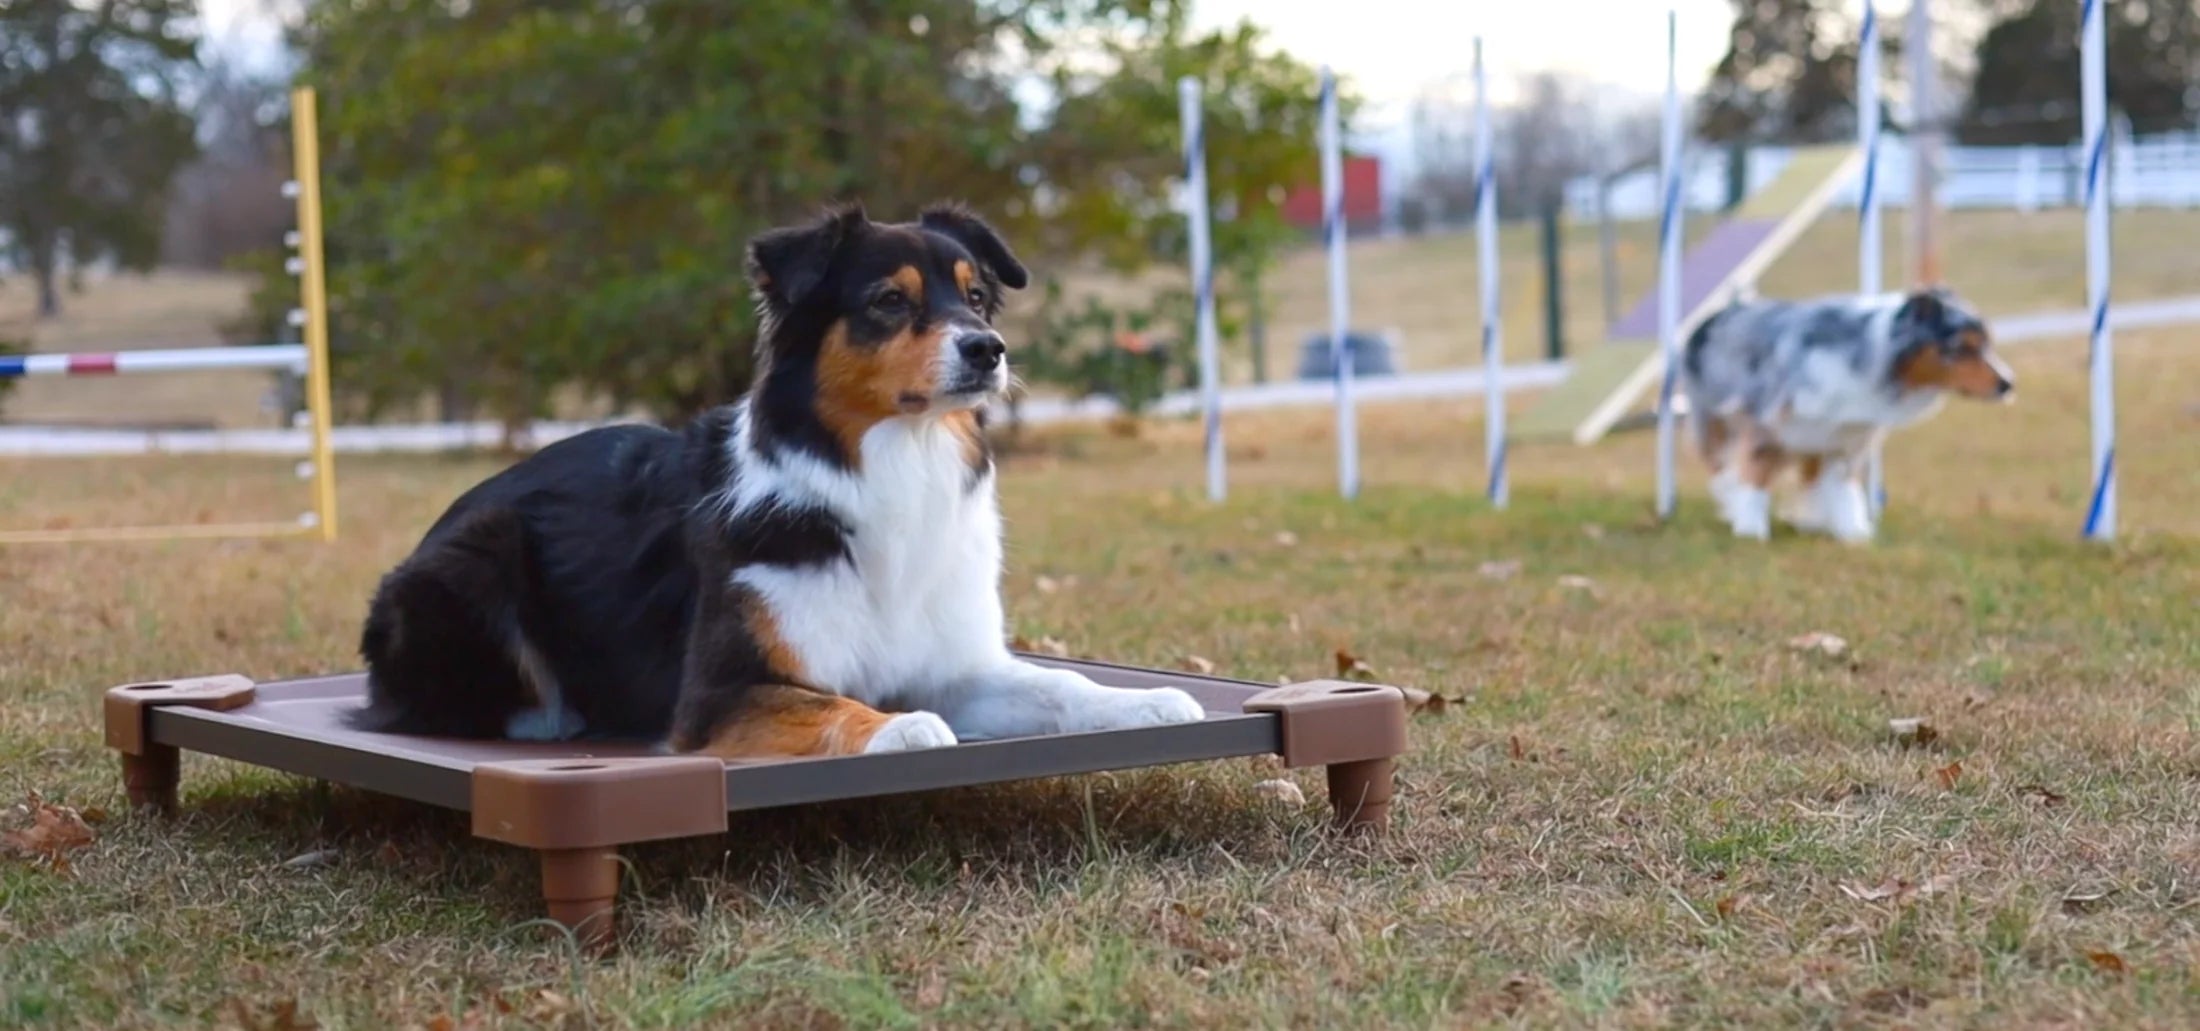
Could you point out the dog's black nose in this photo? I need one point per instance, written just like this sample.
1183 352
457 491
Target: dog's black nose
982 351
2003 386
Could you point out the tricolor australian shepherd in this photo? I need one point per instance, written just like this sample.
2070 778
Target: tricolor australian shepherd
1819 383
811 571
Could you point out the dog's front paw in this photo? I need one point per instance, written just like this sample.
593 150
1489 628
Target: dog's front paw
908 731
1156 706
1751 515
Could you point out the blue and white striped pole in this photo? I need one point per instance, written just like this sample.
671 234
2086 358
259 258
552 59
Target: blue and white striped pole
1340 293
1485 231
2100 514
1669 262
1203 280
1870 277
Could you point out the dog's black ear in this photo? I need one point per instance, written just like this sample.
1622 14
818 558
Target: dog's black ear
966 228
788 264
1925 307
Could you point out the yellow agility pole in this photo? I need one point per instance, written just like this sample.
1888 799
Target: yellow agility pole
305 145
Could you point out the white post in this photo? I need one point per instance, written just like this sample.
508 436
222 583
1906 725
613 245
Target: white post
1669 262
2100 515
1869 277
1485 229
1203 280
1924 147
2028 179
1340 293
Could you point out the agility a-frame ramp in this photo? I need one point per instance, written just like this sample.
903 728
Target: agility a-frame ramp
1607 380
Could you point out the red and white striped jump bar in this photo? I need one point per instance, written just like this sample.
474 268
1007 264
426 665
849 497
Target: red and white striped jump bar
265 356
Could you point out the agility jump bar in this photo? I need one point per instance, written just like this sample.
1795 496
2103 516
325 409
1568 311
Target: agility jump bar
267 356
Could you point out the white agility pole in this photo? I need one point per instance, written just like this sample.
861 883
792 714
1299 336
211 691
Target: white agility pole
1870 277
195 359
1203 280
1340 292
2100 515
1669 261
1485 231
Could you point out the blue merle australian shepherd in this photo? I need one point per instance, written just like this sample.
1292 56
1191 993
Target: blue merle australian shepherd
811 571
1818 383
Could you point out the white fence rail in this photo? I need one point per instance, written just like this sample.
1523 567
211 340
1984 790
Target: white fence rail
2155 172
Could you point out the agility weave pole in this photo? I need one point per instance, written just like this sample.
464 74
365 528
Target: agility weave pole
1340 290
1669 261
2100 515
1869 275
1203 280
1485 232
310 357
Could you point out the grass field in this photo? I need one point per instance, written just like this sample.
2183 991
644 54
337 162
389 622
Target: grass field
1644 808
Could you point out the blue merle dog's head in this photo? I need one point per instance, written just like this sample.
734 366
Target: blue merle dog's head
1942 344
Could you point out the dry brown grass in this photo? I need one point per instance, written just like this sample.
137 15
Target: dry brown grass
1649 810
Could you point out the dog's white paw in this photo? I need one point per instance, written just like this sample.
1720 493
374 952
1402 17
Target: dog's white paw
540 724
1750 513
909 731
1153 707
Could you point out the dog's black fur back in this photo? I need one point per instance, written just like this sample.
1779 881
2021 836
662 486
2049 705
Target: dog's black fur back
578 553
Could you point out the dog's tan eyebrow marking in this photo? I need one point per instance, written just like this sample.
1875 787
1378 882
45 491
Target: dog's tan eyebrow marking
910 280
964 276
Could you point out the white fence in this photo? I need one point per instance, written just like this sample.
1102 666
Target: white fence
2156 172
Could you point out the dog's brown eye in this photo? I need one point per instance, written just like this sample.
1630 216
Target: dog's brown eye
891 302
977 298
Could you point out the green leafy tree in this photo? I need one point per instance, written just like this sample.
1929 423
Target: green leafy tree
91 131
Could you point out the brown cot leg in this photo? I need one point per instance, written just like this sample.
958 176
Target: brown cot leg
579 885
150 778
1360 792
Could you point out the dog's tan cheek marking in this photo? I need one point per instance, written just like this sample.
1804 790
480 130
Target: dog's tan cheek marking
1973 374
1924 369
850 398
777 721
909 370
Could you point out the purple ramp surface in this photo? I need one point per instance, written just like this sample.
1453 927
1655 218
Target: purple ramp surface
1703 268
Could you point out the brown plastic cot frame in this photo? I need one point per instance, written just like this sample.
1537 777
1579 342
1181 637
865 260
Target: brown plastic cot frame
575 803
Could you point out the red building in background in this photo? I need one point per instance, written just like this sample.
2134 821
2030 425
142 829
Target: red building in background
1363 198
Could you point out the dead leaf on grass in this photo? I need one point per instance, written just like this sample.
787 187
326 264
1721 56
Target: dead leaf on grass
1052 646
1199 664
932 991
1593 531
1284 791
1948 775
1832 646
1900 999
1913 731
309 860
2041 794
2079 901
1500 570
1727 904
1515 749
1046 584
1350 667
2108 963
1577 582
43 832
1293 625
1286 539
283 1016
1899 889
1418 700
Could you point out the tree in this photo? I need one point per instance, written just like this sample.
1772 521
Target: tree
228 200
2026 87
1789 74
91 131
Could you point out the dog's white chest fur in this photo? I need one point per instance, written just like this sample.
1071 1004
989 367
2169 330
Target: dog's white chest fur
1837 409
919 603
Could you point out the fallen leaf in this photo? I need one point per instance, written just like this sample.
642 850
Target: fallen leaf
2079 902
45 832
1418 700
1576 582
1285 791
1913 731
1294 625
1899 889
1829 645
1501 570
1052 646
1047 584
1593 531
1947 775
1200 665
1287 539
1900 999
1514 748
1726 905
932 991
2041 793
309 860
283 1016
2108 963
1350 667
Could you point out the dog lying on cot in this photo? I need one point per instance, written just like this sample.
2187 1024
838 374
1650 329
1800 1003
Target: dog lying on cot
1818 383
813 570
